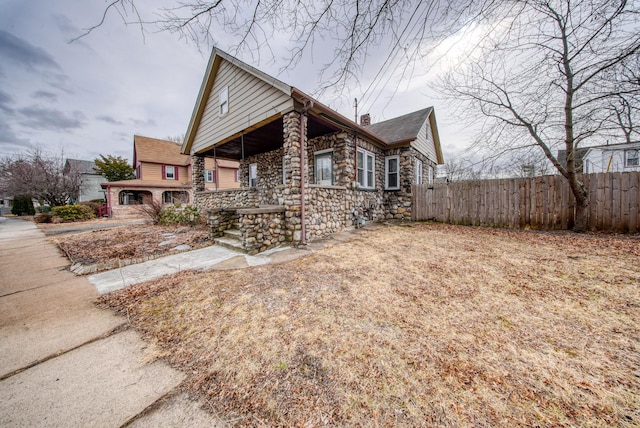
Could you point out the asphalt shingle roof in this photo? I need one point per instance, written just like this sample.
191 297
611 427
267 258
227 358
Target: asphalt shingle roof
402 128
159 151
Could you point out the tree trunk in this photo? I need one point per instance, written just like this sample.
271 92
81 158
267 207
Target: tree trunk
582 203
582 215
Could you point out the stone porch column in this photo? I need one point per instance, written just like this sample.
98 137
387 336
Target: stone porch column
292 166
197 173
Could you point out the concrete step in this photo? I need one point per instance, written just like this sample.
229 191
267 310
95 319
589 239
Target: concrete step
230 243
233 234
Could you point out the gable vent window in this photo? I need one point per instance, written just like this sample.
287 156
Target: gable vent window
224 101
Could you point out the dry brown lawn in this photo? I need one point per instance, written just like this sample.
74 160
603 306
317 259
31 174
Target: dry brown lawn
129 242
430 325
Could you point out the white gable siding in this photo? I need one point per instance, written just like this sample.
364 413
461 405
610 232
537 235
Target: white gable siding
251 101
424 143
597 160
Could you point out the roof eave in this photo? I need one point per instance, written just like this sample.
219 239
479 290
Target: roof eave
338 119
436 137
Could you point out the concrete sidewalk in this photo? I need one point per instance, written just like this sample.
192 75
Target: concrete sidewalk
66 362
208 258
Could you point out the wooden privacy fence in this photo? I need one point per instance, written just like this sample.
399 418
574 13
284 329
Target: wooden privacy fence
539 203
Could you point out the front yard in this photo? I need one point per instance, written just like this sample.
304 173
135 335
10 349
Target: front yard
430 325
130 242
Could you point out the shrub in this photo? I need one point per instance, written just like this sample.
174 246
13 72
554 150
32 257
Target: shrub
176 214
152 209
42 218
94 205
23 205
73 212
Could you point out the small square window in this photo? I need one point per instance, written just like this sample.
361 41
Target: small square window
224 101
632 158
170 172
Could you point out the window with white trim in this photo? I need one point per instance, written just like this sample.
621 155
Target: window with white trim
418 170
253 175
323 167
208 176
392 172
366 169
284 171
631 157
430 172
170 172
223 103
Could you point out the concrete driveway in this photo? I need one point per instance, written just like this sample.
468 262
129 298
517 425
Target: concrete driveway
66 362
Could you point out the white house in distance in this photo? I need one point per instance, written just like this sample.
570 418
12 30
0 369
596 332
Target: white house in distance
90 180
612 158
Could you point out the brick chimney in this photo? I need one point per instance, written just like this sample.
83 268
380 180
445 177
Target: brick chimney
365 120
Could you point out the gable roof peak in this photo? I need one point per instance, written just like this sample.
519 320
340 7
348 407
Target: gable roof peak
401 128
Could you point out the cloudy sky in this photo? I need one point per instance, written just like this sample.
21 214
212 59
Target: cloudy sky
91 96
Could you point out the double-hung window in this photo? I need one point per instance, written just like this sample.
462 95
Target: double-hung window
366 169
632 157
323 167
253 175
418 170
208 176
170 172
392 172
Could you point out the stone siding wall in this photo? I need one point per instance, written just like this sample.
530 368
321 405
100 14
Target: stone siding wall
397 203
262 231
226 198
329 209
269 188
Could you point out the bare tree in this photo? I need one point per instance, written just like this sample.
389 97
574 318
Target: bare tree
41 176
342 33
540 72
176 138
542 75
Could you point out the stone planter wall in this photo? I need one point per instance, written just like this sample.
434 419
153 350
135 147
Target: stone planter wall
243 197
262 228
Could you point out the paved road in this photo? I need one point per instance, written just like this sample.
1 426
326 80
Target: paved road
65 362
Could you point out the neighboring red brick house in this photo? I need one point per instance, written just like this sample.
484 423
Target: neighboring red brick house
163 175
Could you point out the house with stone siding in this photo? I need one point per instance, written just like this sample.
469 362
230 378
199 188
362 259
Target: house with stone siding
306 171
